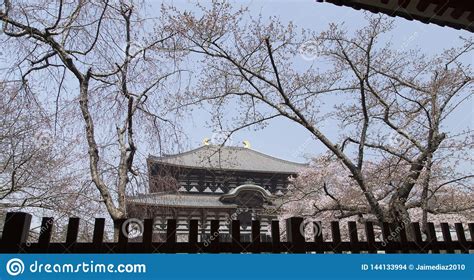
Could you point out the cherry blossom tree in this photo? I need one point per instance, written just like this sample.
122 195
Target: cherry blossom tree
325 192
39 172
392 105
97 55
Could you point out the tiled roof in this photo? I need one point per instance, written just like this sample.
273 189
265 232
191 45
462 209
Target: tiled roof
230 158
458 14
180 200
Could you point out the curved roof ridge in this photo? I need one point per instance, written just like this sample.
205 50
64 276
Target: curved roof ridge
245 187
275 158
180 154
231 158
229 147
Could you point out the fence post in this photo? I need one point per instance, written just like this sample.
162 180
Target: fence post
318 236
15 231
171 226
235 228
447 237
45 234
336 236
71 235
275 236
171 231
147 238
295 235
461 237
387 236
418 238
193 235
404 240
433 241
122 238
369 232
256 236
214 237
353 238
98 237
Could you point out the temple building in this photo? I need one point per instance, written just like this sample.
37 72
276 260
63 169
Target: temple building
213 183
457 14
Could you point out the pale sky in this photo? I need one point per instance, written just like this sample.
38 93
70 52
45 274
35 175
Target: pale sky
287 140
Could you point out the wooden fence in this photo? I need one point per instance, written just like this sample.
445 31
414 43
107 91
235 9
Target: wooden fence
17 227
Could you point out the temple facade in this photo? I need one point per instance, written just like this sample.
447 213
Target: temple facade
213 183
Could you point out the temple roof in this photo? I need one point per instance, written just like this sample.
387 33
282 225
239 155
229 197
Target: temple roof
201 201
230 158
458 14
180 200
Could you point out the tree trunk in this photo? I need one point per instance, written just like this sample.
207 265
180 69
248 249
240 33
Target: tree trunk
424 195
398 216
117 229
